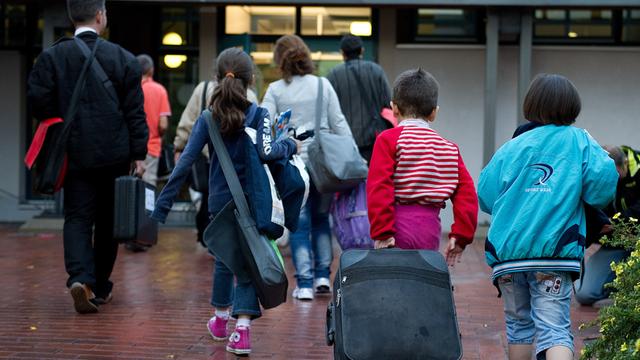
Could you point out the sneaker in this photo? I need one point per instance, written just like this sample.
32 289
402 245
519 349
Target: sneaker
303 293
240 342
602 303
83 299
218 328
103 300
322 285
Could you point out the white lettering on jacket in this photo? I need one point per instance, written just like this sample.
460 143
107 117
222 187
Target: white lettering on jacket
266 136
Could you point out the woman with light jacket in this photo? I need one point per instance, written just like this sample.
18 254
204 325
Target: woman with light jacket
298 90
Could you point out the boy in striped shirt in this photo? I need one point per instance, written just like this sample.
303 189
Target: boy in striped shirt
413 171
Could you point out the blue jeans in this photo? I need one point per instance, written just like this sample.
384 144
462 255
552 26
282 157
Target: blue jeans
311 248
242 296
596 273
537 307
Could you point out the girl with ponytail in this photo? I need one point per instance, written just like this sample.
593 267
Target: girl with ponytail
233 112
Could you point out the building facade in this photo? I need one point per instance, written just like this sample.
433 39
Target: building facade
483 53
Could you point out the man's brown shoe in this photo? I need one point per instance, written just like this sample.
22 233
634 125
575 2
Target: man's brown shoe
82 298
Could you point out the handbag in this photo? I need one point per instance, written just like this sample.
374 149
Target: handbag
233 237
334 161
350 219
200 168
47 154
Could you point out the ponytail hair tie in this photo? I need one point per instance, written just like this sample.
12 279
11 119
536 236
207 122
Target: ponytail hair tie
230 75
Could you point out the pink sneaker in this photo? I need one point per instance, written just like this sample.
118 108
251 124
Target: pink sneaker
240 342
218 328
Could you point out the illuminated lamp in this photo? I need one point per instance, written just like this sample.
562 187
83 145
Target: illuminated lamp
174 61
360 28
573 34
172 38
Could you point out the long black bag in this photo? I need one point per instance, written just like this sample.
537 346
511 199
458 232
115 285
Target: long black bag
51 162
233 231
134 202
334 162
393 304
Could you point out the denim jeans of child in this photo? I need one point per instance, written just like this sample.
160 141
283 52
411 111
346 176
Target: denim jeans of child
597 272
311 248
242 296
537 308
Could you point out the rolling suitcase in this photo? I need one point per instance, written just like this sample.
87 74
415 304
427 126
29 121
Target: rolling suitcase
134 202
393 304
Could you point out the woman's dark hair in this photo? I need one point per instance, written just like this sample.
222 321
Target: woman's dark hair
552 99
229 102
415 93
292 56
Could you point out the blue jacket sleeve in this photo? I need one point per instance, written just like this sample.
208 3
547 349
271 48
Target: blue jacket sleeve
490 185
267 148
197 141
599 175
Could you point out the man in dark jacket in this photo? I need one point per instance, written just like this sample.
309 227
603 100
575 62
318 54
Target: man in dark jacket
363 91
107 134
590 290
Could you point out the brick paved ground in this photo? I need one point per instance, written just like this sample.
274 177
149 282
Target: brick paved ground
161 304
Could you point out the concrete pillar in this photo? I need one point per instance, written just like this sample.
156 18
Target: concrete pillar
524 67
490 85
208 41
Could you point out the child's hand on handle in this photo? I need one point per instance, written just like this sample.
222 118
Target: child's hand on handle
453 252
383 244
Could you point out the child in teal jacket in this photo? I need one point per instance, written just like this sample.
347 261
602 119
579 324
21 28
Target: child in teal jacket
534 188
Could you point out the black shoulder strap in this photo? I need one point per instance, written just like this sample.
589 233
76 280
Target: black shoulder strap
98 70
77 91
203 100
363 93
228 170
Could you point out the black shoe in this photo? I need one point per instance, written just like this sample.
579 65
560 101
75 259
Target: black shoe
83 299
103 300
135 247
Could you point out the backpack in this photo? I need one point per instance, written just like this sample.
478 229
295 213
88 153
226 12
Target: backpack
350 219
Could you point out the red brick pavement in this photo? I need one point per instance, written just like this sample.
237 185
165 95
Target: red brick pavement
161 305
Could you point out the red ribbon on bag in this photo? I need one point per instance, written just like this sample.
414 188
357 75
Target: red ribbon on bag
38 141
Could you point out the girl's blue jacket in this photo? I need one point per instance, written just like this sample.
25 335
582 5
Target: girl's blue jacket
534 187
219 194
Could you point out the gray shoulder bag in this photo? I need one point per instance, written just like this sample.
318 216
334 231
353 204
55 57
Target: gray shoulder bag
334 161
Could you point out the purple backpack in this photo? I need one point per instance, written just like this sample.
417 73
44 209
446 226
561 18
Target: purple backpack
350 219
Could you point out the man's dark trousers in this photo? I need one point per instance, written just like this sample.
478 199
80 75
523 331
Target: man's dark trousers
89 201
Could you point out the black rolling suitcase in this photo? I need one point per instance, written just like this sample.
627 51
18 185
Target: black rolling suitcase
393 304
134 202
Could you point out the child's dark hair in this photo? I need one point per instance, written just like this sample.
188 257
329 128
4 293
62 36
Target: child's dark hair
292 56
415 93
552 99
229 102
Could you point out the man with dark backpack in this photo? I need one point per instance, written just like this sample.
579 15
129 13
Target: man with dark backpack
108 131
363 90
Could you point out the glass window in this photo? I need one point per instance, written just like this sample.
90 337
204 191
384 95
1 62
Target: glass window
178 27
323 21
14 25
573 24
631 26
446 23
260 20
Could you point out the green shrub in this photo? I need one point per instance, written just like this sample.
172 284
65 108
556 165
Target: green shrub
620 323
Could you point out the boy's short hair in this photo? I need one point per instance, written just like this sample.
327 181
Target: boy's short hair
552 99
82 11
415 93
351 46
146 63
617 154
